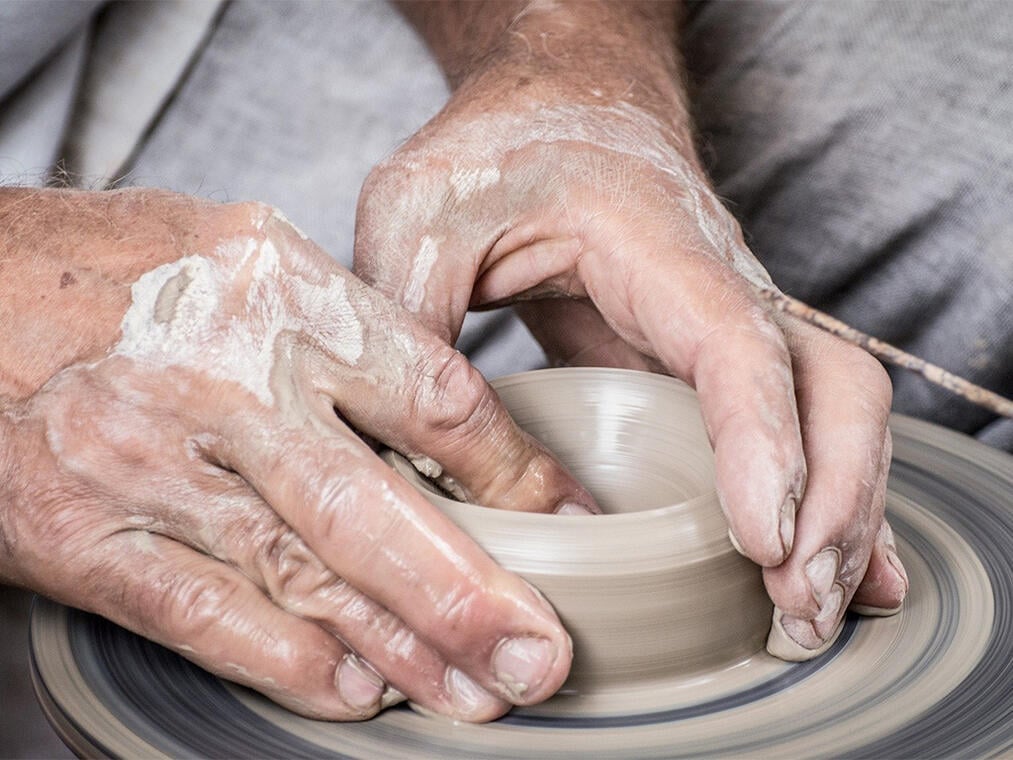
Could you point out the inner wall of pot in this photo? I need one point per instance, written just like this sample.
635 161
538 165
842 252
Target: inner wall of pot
635 446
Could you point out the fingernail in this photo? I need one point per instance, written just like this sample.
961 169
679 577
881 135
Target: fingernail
425 712
786 523
830 611
521 665
468 697
735 543
898 567
801 631
821 570
797 640
572 508
358 684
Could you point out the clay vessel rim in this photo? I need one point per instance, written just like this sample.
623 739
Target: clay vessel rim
544 519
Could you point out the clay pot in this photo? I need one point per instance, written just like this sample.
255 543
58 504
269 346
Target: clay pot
652 590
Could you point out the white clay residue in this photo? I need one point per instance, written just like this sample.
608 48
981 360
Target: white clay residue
415 288
467 182
185 314
265 213
427 466
620 128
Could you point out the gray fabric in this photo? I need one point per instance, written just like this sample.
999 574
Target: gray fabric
867 149
33 117
43 49
30 32
293 103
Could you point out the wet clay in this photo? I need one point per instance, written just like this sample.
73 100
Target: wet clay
652 590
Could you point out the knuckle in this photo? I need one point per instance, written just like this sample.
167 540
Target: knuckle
192 605
463 613
399 198
387 184
339 505
451 395
871 381
292 573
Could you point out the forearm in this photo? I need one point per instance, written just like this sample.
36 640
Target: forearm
588 52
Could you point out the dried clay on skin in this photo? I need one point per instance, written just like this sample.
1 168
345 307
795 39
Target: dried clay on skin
179 315
422 265
620 128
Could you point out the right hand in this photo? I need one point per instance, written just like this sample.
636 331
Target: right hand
170 458
597 222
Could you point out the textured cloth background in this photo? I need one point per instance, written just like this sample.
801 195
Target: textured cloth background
43 50
867 149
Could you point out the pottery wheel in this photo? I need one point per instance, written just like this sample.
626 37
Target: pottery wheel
936 680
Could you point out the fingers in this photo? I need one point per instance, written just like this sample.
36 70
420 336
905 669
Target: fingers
885 584
706 328
219 619
844 398
374 531
419 227
446 418
339 344
418 395
243 531
744 380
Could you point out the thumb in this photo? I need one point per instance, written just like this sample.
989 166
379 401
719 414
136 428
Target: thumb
423 398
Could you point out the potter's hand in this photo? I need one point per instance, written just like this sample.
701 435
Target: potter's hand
561 174
170 458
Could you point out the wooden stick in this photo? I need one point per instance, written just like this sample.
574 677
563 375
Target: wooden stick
887 353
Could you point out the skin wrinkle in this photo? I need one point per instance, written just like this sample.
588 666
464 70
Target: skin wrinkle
329 601
617 128
195 290
459 194
402 514
462 565
299 575
467 182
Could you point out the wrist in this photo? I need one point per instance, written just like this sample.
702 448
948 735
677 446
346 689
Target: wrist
594 53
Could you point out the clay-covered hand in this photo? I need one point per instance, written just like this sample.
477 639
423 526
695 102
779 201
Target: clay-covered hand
581 199
170 458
